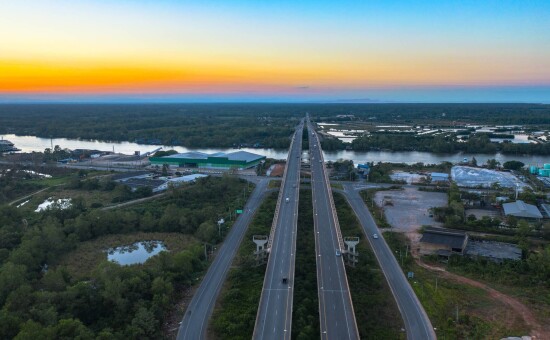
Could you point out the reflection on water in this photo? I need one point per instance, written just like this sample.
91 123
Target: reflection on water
32 143
136 253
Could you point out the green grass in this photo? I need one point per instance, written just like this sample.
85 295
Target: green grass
479 316
376 211
235 314
305 316
89 254
376 313
274 184
337 186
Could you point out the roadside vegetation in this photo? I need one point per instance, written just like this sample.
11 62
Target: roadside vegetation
376 211
43 297
305 315
235 312
376 312
456 310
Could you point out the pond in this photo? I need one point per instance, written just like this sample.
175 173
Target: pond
136 253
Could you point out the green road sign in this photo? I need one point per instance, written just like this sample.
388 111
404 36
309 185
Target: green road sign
239 211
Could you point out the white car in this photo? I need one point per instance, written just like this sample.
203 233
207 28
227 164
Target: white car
287 200
338 253
375 236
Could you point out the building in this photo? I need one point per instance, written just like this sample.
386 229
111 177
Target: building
238 160
494 251
177 181
156 185
521 209
439 177
443 242
125 176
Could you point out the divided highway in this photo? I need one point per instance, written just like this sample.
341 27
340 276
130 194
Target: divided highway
337 317
274 318
417 323
195 321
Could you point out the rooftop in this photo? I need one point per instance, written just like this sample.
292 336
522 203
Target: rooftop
451 238
232 156
521 209
496 251
131 174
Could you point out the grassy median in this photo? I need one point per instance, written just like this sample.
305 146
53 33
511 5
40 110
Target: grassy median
376 313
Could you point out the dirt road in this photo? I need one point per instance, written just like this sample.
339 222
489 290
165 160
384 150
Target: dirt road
537 330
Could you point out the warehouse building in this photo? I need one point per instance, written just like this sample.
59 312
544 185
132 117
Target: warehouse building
522 210
238 160
442 242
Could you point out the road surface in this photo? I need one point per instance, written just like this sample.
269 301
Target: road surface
417 323
337 317
274 318
195 321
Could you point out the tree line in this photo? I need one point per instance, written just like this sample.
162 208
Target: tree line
39 298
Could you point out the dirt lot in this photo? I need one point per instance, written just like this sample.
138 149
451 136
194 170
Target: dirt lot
407 210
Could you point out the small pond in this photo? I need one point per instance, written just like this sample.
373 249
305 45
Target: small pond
136 253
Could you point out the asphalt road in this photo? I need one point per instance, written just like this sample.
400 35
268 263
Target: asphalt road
195 321
274 318
337 317
417 323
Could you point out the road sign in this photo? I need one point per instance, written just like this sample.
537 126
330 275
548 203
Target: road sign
239 211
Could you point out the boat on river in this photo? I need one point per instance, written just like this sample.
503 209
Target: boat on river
7 146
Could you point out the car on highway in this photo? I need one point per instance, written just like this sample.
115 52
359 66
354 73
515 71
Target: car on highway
375 236
338 253
285 280
287 200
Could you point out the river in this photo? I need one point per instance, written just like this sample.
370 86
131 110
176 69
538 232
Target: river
33 143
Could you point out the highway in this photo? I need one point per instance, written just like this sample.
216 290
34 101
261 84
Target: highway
195 320
274 317
336 314
417 323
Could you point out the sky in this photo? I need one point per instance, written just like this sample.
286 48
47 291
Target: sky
275 51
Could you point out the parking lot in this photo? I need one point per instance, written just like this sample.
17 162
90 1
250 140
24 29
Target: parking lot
407 210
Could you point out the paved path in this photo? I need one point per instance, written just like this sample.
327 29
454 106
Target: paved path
195 321
417 323
336 314
274 317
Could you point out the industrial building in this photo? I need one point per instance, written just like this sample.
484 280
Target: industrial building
447 242
442 242
238 160
522 210
471 177
177 181
439 177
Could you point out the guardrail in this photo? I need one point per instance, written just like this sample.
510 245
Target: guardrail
281 194
331 199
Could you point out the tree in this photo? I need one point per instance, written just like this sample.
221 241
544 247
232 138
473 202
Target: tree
11 277
492 163
206 231
513 165
473 162
143 325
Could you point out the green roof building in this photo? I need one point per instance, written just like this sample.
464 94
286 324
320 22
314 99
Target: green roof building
234 160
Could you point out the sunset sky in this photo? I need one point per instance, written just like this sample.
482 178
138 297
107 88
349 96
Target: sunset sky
238 50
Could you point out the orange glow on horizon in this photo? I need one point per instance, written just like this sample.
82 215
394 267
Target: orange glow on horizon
31 76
